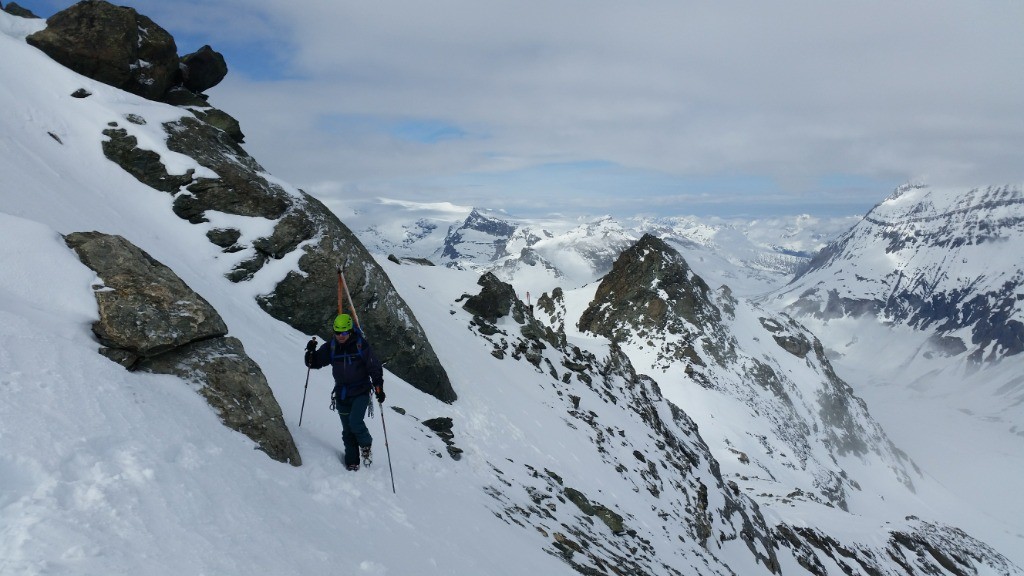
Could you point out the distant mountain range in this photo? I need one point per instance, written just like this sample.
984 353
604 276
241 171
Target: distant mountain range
940 261
936 261
751 256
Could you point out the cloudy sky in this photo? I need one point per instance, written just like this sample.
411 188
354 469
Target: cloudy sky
600 107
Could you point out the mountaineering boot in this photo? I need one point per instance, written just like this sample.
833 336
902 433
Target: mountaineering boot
367 455
352 467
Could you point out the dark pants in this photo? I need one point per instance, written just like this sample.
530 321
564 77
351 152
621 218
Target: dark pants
354 432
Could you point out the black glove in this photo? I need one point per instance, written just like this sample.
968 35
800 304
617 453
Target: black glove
310 349
380 395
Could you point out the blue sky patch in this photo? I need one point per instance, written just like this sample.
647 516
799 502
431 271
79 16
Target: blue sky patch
426 131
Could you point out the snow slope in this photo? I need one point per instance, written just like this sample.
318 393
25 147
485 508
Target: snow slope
106 471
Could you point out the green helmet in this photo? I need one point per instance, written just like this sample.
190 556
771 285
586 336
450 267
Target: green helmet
343 323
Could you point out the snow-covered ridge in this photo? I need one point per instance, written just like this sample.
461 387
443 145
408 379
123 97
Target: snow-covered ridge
934 260
922 203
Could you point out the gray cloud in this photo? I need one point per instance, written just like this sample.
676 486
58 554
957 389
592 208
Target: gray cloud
794 93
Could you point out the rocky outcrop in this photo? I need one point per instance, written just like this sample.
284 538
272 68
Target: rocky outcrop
145 165
14 9
118 46
496 299
607 515
203 69
145 309
150 320
303 299
112 44
125 49
443 427
915 547
398 339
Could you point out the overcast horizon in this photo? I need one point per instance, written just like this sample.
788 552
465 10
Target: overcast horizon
594 107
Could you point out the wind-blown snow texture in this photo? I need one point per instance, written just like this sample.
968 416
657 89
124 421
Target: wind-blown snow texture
107 471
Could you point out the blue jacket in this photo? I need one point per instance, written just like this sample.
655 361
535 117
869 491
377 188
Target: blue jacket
354 365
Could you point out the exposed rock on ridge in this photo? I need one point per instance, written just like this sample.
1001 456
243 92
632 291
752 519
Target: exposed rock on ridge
652 303
303 300
112 44
150 320
118 46
16 10
670 462
651 290
480 234
673 465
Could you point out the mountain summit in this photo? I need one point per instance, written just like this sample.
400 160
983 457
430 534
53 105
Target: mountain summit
696 341
933 260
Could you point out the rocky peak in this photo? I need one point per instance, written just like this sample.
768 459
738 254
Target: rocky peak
479 238
14 9
664 315
480 222
650 289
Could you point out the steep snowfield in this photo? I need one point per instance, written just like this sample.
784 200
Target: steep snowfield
961 426
104 471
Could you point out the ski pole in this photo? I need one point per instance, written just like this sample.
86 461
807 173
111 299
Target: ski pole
387 448
303 409
304 389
